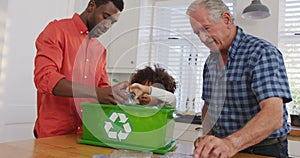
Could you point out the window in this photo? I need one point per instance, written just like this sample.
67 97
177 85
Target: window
166 38
289 44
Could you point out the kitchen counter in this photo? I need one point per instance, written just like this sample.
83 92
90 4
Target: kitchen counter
295 132
67 146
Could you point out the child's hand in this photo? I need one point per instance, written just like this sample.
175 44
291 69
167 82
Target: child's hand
139 89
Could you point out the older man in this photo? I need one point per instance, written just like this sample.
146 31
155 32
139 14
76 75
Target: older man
245 88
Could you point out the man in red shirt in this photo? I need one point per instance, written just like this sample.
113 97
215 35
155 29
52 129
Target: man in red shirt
70 67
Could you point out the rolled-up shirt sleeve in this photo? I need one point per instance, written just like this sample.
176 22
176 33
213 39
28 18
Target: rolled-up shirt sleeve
48 60
163 95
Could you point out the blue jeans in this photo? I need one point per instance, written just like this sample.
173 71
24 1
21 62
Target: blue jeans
278 150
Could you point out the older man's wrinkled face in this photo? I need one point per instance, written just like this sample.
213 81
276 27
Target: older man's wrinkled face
102 18
214 34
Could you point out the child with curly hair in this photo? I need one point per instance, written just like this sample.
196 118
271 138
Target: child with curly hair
153 87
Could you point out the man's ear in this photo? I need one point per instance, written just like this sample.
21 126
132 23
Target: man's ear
91 6
227 18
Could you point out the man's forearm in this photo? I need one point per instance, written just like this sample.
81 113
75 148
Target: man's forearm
268 120
66 88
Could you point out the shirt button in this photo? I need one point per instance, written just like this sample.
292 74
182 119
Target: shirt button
81 32
78 127
85 76
87 60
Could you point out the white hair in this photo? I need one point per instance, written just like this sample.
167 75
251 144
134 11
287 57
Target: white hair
215 7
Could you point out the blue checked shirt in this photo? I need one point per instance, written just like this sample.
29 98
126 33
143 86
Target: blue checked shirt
255 71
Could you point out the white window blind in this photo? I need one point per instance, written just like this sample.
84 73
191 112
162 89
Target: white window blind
289 43
166 38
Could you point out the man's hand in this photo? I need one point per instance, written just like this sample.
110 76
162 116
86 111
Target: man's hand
211 146
114 94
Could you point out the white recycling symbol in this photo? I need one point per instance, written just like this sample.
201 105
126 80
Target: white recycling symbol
108 126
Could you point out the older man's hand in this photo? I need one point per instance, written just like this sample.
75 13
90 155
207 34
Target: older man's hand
209 146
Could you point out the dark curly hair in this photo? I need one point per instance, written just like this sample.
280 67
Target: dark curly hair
157 77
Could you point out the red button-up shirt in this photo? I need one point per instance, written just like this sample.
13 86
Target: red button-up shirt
65 51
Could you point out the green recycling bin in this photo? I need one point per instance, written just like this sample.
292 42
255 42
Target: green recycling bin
133 127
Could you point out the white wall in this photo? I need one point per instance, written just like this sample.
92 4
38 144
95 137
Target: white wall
264 28
3 10
23 21
80 5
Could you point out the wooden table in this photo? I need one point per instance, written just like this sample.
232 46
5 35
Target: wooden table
295 131
67 147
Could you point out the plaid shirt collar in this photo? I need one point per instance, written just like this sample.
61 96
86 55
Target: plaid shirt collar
236 42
